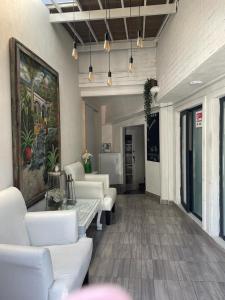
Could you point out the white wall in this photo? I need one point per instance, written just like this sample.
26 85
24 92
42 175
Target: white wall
153 180
28 21
192 47
209 98
190 37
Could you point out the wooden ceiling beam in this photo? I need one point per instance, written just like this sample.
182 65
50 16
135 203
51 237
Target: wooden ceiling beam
115 13
60 12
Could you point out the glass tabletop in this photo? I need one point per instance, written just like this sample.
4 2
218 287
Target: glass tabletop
86 208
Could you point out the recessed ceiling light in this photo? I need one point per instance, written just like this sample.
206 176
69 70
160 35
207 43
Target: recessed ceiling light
195 82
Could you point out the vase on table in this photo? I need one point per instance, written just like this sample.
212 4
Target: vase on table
87 166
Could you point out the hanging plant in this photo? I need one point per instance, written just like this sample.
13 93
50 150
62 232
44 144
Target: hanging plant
148 99
149 83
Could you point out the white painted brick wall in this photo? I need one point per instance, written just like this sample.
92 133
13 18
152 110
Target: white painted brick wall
144 67
190 37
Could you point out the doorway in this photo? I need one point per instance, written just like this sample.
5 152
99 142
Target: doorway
191 160
134 159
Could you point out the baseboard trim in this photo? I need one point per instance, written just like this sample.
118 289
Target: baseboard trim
152 195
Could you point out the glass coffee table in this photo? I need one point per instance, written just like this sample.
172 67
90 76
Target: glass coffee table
86 211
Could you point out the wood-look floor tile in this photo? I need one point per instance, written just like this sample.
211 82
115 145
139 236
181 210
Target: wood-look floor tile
157 253
161 290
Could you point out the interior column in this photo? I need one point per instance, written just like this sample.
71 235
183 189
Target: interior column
167 145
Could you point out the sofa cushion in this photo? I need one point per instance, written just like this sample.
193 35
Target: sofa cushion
109 198
12 218
71 262
76 170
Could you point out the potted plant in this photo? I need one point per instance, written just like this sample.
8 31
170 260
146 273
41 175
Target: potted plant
87 162
27 143
52 159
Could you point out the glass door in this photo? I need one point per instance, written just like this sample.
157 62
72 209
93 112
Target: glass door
197 163
222 168
191 160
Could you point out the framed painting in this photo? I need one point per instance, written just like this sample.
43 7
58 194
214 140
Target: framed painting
35 121
153 147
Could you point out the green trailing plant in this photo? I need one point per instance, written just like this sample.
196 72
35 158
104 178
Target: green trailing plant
52 158
147 99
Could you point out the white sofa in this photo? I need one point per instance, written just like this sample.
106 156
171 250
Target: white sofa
94 186
41 257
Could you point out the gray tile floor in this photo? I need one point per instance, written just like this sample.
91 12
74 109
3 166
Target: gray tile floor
157 253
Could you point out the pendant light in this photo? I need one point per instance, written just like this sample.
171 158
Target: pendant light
90 70
109 80
131 60
107 47
131 64
140 43
74 51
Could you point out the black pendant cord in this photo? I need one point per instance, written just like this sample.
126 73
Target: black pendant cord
106 11
90 36
131 49
74 20
109 8
139 9
109 62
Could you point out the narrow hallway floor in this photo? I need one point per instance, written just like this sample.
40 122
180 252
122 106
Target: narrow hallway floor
157 252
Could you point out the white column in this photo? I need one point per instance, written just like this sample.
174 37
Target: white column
167 153
210 166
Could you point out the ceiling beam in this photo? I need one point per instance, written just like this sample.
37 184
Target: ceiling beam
60 12
163 23
125 21
87 23
106 22
115 13
62 5
117 45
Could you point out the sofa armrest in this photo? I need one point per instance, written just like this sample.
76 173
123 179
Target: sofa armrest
89 190
25 272
52 227
98 177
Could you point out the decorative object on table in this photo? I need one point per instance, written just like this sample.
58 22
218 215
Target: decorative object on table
106 147
70 190
148 97
153 147
35 121
56 195
87 162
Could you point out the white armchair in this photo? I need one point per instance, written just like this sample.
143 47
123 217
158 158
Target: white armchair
41 257
94 186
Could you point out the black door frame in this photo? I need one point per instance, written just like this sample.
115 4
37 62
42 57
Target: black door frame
222 233
189 159
187 204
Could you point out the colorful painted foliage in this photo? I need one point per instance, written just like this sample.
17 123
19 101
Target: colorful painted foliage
38 93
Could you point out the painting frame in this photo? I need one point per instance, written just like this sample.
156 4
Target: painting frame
16 50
